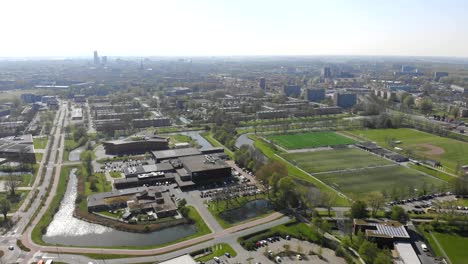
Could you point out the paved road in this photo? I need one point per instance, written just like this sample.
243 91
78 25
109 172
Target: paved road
24 217
228 236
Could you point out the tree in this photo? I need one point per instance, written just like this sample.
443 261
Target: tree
399 214
375 200
12 184
383 258
5 207
426 105
359 210
327 199
408 101
368 251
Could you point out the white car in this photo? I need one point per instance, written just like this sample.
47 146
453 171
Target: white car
424 247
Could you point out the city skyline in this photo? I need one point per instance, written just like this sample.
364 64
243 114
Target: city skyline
234 28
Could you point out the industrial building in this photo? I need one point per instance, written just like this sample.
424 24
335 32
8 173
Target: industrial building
135 200
135 146
18 148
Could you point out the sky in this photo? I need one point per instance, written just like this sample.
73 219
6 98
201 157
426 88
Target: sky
233 27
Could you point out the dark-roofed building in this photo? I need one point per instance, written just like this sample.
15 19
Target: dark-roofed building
136 146
384 233
175 153
18 148
205 167
137 200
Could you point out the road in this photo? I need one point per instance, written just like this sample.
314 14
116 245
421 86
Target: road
22 216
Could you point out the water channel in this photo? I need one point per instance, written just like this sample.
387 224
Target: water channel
249 210
68 230
195 135
74 155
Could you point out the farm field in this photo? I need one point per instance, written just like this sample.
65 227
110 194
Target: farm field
332 160
358 183
448 151
309 140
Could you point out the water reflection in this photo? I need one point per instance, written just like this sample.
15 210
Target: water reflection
67 230
249 210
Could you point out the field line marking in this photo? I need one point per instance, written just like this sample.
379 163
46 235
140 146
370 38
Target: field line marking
440 247
339 193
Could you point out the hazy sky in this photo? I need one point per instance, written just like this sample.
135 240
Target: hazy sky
234 27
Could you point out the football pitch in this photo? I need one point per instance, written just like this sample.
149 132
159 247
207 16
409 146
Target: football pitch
448 151
333 160
309 140
357 183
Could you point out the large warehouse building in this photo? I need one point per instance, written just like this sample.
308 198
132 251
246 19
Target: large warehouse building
18 148
136 146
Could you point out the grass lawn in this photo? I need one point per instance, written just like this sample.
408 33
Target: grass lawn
17 201
269 151
25 179
102 185
332 160
115 174
39 157
40 143
358 183
428 170
218 250
454 151
310 140
70 145
453 244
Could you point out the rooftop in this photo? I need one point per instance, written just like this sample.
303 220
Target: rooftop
175 153
203 162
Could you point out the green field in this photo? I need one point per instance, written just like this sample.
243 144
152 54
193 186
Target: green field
454 152
332 160
357 183
454 245
309 140
40 143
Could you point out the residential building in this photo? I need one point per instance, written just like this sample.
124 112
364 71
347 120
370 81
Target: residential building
345 100
438 75
292 90
262 83
315 95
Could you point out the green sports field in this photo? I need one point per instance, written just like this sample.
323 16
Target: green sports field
332 160
453 244
309 140
357 183
448 151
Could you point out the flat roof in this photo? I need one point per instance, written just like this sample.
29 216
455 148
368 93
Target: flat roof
203 163
17 143
184 259
175 153
390 229
148 168
407 253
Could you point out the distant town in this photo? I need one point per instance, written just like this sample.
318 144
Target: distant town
286 159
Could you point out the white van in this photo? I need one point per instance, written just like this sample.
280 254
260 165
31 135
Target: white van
424 247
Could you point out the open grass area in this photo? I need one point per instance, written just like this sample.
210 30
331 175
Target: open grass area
39 157
333 160
428 170
101 183
24 179
218 250
448 151
270 152
116 174
358 183
453 244
309 140
40 143
70 145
